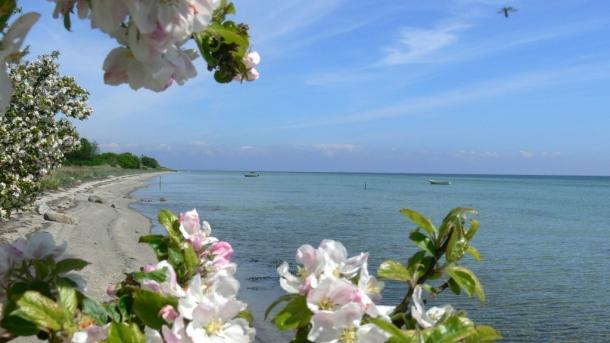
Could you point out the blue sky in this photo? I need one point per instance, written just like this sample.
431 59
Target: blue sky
381 86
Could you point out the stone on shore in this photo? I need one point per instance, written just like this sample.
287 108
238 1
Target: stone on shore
42 208
96 199
59 217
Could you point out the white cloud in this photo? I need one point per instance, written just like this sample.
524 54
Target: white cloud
470 154
526 153
416 45
479 91
333 149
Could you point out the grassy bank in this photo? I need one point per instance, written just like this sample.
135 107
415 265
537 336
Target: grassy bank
69 176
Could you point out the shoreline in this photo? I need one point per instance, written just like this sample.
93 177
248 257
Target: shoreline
104 234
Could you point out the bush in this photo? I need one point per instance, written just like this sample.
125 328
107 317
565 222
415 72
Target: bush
86 152
149 162
109 158
128 160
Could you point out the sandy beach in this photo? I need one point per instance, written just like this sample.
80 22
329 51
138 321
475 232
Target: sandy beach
105 234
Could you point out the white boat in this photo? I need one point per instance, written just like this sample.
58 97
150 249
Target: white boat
251 174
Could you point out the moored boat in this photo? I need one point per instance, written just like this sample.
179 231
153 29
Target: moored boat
439 182
251 174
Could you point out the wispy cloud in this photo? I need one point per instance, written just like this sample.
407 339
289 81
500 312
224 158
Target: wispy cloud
474 92
332 149
416 45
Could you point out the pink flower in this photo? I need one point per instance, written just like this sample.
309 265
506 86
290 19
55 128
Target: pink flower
112 289
168 313
222 249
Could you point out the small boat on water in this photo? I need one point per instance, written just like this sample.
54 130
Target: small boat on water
251 174
439 182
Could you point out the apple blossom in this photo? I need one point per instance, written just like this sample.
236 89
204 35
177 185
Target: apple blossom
92 334
216 323
10 50
344 326
427 319
170 286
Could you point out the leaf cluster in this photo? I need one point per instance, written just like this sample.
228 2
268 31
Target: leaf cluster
224 44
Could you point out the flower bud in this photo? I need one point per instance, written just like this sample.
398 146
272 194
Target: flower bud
168 313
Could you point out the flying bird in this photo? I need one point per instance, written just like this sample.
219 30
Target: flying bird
507 10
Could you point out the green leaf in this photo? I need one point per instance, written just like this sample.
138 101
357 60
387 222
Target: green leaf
175 257
474 227
423 242
68 300
170 222
247 316
419 220
474 252
457 245
455 288
467 281
484 334
158 275
147 304
70 264
40 310
451 330
394 270
398 336
230 36
283 298
158 243
18 325
191 261
95 311
67 21
455 216
123 333
296 314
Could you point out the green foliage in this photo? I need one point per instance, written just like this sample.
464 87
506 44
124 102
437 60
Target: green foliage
124 333
128 160
86 152
147 305
451 240
149 162
224 44
294 315
394 270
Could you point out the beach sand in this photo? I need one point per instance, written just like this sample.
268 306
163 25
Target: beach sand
104 235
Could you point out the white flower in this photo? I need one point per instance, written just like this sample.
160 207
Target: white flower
336 261
221 287
108 15
427 319
331 293
177 333
92 334
37 246
252 59
120 66
170 286
152 335
343 326
216 323
10 45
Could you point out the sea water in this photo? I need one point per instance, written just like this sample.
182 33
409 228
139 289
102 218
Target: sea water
545 241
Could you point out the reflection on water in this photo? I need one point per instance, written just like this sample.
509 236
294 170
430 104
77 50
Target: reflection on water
545 240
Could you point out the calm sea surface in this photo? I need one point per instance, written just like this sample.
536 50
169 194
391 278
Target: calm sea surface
545 241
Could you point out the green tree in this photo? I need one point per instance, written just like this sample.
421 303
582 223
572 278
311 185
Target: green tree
149 162
128 160
87 151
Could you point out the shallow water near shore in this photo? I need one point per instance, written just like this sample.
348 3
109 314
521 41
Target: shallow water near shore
545 241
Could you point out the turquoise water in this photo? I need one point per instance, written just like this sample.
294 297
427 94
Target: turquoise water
545 241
